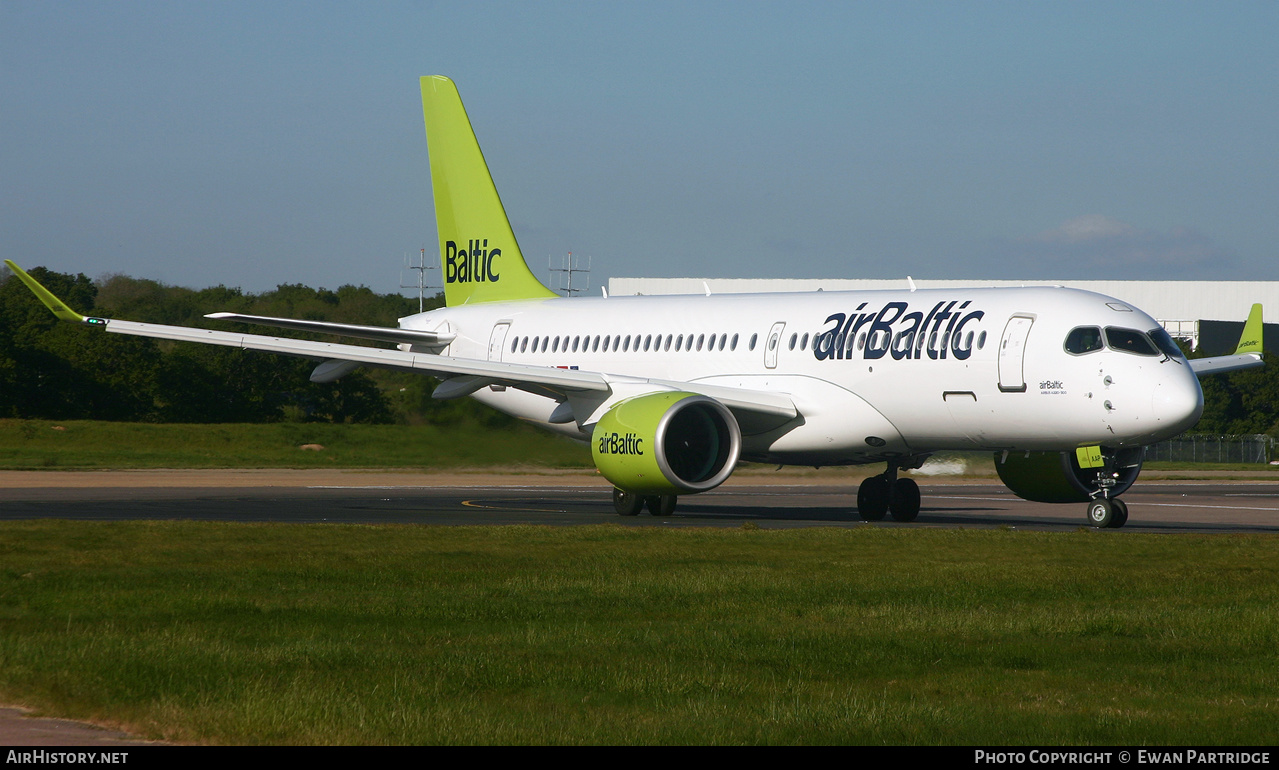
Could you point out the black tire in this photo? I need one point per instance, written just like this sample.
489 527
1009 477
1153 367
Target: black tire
872 498
1121 513
903 501
627 503
661 505
1101 513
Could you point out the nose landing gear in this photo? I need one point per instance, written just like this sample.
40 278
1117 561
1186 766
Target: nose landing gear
1106 513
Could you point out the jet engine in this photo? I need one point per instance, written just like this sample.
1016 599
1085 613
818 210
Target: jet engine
666 443
1059 477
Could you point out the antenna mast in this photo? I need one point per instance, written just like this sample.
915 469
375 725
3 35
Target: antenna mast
570 268
422 283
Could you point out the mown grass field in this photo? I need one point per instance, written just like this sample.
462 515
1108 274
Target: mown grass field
39 444
284 634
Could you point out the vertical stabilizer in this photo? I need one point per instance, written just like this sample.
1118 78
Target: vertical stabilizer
479 258
1250 340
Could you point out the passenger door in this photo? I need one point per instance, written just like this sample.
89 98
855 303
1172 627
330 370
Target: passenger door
1012 350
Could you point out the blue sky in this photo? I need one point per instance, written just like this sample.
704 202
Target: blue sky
251 144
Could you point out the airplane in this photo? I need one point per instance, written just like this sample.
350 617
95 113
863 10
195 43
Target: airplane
1065 387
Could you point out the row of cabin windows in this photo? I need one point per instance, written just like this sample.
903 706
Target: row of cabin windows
656 343
628 343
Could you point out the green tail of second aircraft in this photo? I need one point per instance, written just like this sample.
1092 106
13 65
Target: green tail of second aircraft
1250 340
480 260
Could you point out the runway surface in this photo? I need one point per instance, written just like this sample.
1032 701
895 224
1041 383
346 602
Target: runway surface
1157 506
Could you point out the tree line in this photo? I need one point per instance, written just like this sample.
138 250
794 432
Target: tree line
59 371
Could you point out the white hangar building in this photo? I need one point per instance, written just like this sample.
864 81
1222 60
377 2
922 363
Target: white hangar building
1210 313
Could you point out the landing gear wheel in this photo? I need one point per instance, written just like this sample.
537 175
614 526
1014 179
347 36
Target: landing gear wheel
1101 513
1121 513
872 498
626 503
661 505
903 501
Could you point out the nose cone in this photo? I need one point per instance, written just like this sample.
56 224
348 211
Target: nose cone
1176 403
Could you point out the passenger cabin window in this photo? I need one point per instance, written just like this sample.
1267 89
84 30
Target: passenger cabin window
1130 341
754 339
1084 339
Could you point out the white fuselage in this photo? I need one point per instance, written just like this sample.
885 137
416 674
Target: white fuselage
874 375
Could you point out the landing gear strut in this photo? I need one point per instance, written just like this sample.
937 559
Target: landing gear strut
879 495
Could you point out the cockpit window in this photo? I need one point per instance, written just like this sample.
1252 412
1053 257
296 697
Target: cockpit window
1166 343
1084 339
1130 341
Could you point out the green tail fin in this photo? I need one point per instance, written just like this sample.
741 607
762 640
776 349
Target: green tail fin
1250 340
480 259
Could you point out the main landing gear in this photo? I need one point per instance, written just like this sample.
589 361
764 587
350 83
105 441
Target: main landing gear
1107 512
630 504
879 495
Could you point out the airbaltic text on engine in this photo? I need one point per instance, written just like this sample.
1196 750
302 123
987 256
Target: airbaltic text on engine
474 264
617 444
892 330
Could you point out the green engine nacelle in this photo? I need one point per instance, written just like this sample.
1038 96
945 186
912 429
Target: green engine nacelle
1057 477
667 443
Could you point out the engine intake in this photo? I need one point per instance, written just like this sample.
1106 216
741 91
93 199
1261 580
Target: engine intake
667 443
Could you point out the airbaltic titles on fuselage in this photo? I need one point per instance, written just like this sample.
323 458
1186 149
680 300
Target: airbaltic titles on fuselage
947 330
893 331
474 264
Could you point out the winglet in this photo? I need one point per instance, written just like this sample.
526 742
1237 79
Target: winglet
58 307
1250 340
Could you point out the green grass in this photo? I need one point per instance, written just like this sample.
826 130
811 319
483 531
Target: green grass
37 444
283 634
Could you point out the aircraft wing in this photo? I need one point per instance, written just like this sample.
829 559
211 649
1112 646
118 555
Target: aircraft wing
1221 364
461 376
383 334
1248 354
